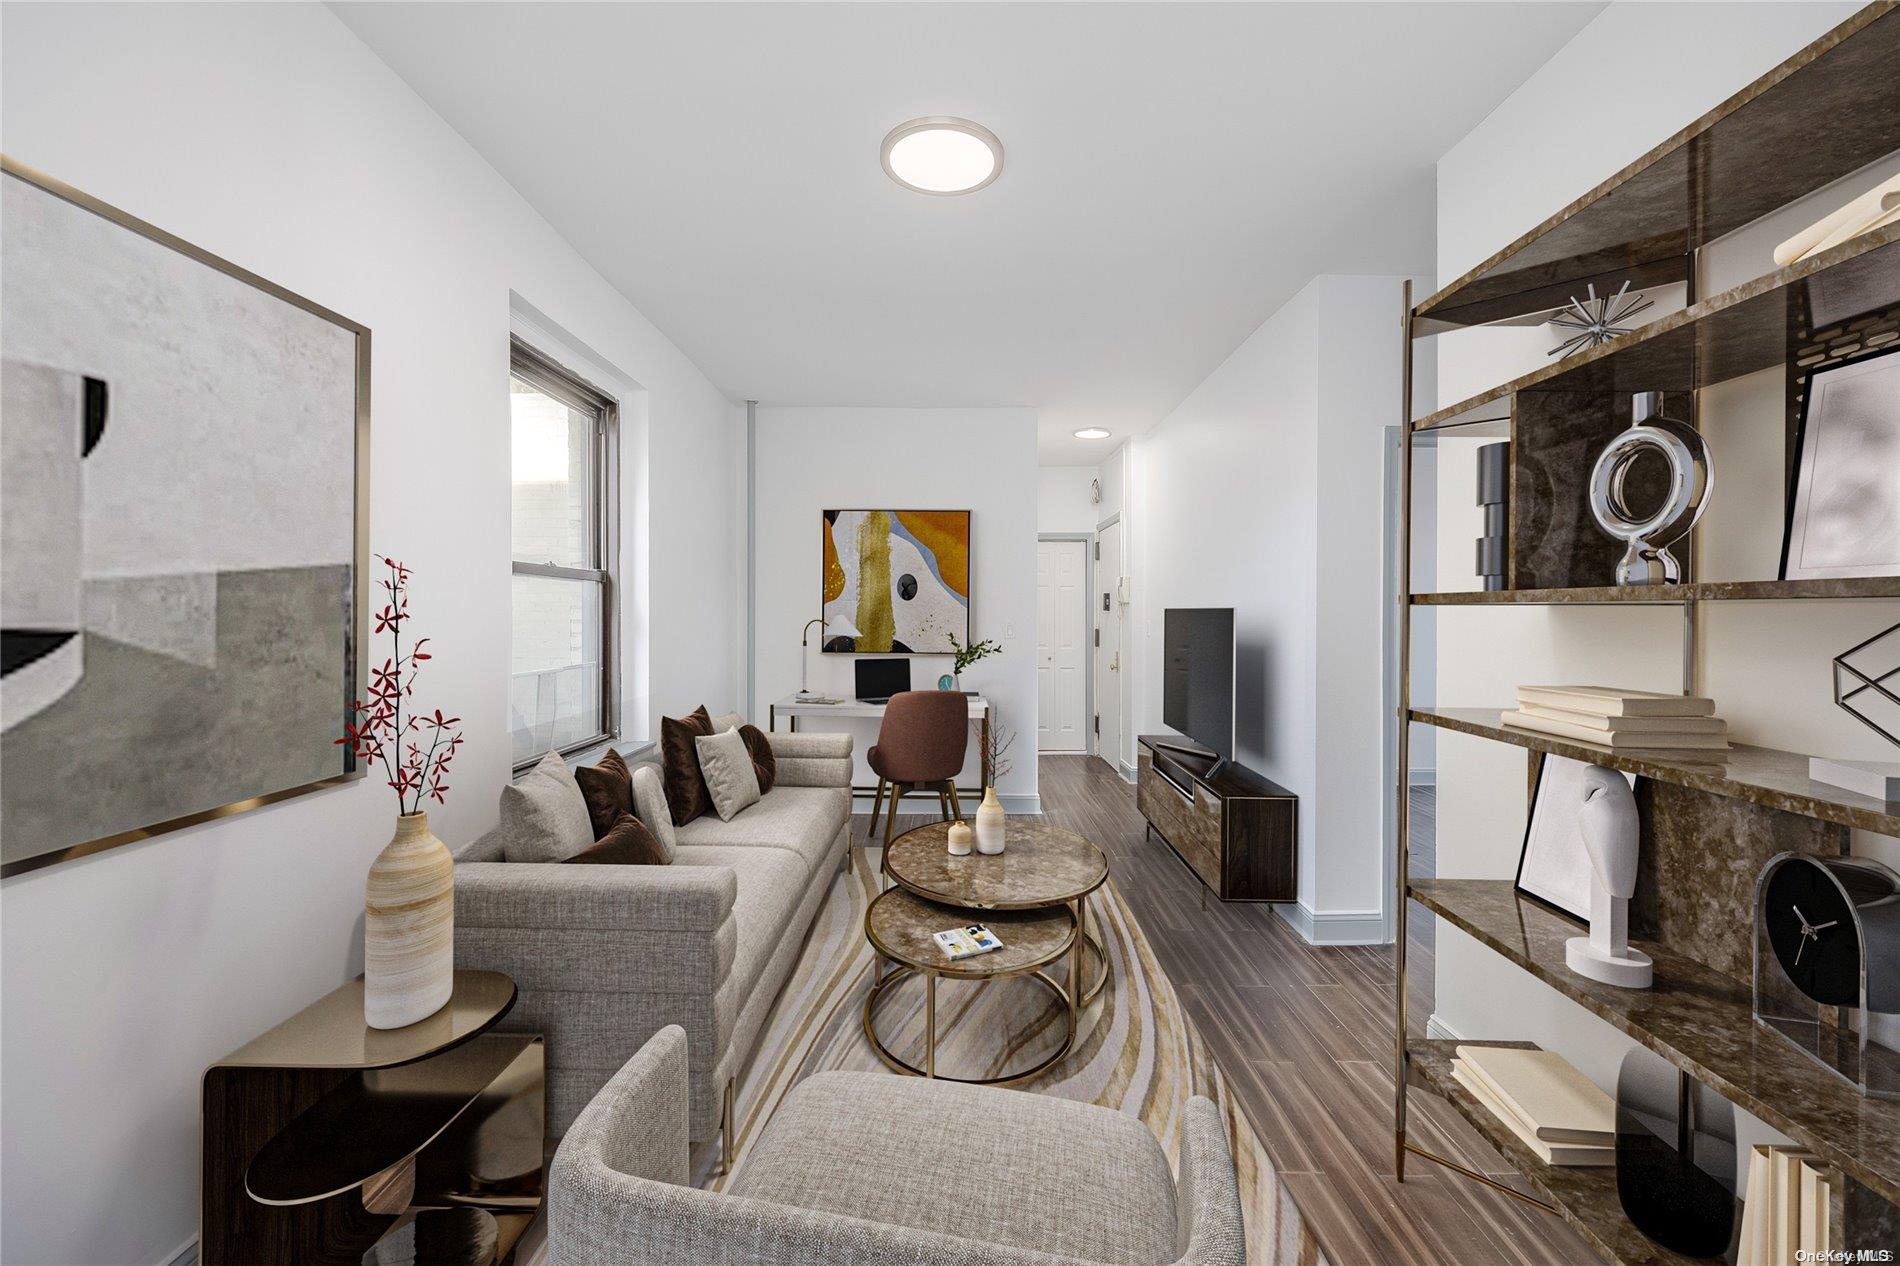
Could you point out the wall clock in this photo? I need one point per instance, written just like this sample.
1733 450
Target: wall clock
1827 957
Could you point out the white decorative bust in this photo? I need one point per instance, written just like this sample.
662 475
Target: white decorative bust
1612 835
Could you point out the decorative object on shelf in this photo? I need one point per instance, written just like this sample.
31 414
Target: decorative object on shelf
1612 835
409 901
989 823
205 435
994 752
1494 495
1626 722
805 694
1597 320
1647 560
967 655
1675 1156
895 581
958 838
1788 1209
947 682
1554 865
1844 516
1552 1108
1863 687
1827 936
1877 208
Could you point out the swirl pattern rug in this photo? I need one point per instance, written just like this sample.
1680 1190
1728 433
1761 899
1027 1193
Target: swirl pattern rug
1136 1050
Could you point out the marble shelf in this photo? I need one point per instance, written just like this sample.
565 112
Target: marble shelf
1740 331
1584 1196
1777 140
1696 1018
1669 595
1764 776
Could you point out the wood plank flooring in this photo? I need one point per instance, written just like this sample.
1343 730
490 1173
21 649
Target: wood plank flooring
1305 1036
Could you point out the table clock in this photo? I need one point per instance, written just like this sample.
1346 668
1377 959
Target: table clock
1827 959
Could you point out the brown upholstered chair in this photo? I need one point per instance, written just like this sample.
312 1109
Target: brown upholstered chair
920 747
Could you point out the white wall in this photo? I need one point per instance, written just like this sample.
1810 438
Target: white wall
269 135
1065 501
982 460
1263 491
1765 664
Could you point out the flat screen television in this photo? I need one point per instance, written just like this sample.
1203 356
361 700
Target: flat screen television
1197 676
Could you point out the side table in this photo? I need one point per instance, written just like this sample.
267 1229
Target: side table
324 1137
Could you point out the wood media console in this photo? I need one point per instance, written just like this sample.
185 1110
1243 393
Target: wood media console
1237 832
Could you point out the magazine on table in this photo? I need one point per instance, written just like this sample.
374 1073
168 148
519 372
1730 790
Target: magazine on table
967 942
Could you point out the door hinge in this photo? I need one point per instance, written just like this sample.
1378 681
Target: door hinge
1098 725
1098 639
1098 551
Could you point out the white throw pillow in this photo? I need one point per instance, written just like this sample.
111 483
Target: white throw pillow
544 816
649 805
730 721
727 767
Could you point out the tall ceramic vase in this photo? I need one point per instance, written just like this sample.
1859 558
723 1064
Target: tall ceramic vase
409 928
989 823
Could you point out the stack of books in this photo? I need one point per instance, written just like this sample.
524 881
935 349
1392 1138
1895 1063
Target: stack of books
1628 722
1787 1213
1553 1109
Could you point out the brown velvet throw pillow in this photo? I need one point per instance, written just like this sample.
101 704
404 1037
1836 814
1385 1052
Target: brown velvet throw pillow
759 748
608 790
686 793
626 843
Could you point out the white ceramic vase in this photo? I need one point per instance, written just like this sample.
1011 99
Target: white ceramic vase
989 823
958 839
408 928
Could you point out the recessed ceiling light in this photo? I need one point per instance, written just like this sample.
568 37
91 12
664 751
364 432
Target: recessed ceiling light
1090 433
942 155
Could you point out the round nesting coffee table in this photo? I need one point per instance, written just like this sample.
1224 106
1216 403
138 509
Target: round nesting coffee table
901 926
1042 866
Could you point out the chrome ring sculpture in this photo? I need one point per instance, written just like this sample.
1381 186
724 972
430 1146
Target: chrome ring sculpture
1647 560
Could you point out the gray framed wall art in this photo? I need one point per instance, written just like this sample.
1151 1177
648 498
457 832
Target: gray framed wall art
185 468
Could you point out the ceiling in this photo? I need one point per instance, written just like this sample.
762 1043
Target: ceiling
1173 173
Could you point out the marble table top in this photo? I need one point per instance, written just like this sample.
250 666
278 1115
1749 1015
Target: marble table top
901 926
1040 865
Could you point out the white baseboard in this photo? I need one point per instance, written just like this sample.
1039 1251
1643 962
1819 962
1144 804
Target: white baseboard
1021 804
1335 927
1128 772
1424 777
1437 1029
184 1256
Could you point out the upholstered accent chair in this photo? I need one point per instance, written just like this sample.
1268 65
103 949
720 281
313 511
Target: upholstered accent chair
920 746
870 1169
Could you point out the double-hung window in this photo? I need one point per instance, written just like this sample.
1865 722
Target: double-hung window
561 692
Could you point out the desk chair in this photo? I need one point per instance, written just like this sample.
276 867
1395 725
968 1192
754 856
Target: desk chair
920 747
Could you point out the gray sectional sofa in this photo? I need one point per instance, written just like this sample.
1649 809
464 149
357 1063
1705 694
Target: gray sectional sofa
607 956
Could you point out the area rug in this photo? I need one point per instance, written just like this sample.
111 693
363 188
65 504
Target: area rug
1136 1050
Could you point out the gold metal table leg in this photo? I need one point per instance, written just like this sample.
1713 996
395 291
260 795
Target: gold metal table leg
930 1024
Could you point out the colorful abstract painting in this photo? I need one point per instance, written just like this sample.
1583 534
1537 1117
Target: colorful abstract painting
896 581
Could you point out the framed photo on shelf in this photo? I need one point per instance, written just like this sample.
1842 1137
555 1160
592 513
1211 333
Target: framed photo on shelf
1554 865
1844 508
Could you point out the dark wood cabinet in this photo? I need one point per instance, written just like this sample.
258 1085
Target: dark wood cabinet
1237 832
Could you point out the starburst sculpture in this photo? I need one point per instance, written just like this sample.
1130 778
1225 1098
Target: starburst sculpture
1596 320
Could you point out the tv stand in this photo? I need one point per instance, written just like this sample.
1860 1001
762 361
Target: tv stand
1238 832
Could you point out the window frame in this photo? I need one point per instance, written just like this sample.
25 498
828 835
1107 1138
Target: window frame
549 376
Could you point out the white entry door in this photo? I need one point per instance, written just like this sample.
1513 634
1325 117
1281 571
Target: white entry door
1062 623
1106 606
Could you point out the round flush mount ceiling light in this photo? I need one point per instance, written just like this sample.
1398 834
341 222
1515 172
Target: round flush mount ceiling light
1090 433
942 155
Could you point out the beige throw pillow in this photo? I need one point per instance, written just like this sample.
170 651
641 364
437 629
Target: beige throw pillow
727 767
544 816
649 805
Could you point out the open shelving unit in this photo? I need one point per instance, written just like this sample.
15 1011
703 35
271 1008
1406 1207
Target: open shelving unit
1709 824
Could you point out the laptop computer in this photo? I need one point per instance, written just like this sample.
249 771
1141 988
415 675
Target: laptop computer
879 679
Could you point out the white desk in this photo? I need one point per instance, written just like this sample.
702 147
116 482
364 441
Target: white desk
792 708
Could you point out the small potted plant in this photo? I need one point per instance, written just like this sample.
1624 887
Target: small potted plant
409 901
967 655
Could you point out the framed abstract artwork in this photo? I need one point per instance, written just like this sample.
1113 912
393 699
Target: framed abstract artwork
1844 514
185 468
896 582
